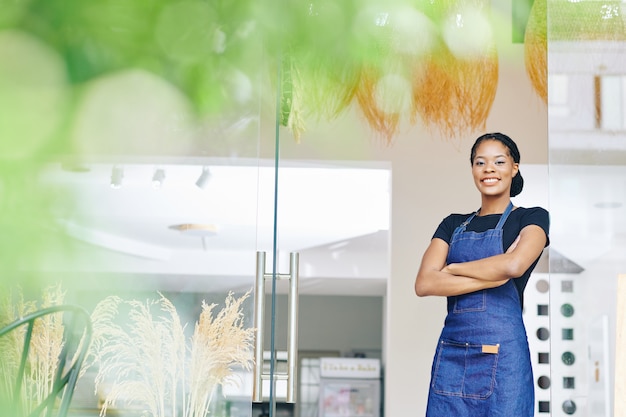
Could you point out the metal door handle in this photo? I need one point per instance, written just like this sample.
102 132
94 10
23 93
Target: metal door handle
292 324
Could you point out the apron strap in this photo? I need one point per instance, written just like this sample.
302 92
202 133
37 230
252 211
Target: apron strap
500 224
505 215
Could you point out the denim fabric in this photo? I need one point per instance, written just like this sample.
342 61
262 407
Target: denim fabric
482 363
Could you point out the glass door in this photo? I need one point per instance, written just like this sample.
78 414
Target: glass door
144 181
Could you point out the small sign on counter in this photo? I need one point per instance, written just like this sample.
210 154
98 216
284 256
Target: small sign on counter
350 368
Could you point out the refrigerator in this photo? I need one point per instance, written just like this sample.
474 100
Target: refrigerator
349 387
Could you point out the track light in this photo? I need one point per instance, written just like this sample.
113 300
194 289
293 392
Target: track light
117 174
204 178
158 178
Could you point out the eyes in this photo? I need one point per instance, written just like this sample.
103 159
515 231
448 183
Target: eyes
497 162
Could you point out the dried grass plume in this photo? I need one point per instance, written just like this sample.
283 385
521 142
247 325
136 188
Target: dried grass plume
45 346
148 361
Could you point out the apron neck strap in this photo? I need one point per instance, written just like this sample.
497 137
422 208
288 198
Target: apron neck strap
505 215
500 224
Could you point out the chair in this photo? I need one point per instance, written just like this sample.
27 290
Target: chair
77 333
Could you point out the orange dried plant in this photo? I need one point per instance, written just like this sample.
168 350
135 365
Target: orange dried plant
536 49
455 95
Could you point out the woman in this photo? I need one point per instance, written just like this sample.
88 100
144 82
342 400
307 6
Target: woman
482 261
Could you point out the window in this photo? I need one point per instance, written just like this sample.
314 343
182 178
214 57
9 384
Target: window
610 102
557 94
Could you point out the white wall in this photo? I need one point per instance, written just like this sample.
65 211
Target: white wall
430 179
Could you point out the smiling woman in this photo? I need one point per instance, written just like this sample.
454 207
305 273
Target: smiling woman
481 262
496 167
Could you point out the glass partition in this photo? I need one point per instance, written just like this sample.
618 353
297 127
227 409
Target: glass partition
587 167
142 176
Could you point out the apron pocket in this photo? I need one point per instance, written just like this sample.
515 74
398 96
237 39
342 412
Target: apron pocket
464 370
475 301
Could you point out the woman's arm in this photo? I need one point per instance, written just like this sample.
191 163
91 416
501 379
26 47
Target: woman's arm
512 264
431 280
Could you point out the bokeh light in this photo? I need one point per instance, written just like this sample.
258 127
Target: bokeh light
132 112
413 32
467 33
34 94
393 94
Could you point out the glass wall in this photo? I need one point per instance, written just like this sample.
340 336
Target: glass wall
587 172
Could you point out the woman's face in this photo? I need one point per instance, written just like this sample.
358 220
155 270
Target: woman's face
493 168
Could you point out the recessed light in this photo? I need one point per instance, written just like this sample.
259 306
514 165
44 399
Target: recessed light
158 178
117 174
203 179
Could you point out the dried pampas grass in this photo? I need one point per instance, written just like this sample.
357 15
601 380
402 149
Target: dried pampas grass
45 346
147 361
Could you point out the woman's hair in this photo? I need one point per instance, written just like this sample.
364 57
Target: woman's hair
518 182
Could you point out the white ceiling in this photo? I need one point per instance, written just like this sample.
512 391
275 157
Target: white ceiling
337 214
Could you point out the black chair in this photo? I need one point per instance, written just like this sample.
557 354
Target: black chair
76 338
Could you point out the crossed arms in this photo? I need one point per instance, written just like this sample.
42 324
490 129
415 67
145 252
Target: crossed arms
434 277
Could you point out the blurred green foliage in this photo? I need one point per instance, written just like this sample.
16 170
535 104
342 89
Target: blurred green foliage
222 55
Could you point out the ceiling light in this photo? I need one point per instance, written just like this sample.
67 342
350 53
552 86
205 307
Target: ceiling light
117 174
158 178
195 229
203 231
204 178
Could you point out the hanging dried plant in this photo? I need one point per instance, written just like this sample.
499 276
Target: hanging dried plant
319 75
455 87
371 96
148 361
383 91
290 109
453 95
329 85
329 72
536 48
568 21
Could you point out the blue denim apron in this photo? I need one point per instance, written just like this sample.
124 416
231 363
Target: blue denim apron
482 364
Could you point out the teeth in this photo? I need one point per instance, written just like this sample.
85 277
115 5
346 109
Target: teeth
490 180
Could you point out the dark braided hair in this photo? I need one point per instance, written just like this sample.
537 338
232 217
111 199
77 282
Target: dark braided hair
518 182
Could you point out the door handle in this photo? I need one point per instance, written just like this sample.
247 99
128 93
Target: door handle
292 327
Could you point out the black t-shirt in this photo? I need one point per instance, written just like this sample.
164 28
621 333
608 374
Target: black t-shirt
517 220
